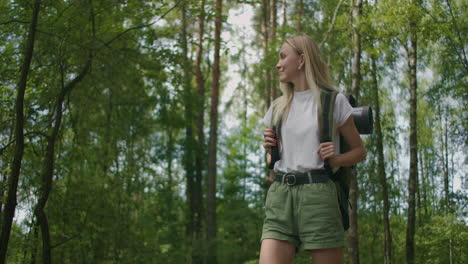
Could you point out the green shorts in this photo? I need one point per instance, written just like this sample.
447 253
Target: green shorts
306 214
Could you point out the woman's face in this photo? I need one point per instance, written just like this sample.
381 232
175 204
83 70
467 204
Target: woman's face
288 64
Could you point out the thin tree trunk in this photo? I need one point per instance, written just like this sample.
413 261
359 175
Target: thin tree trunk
448 181
267 76
265 43
244 124
418 200
170 151
412 182
31 242
189 142
420 204
273 23
199 157
300 14
353 249
285 15
381 168
34 245
4 182
444 156
424 183
273 20
356 67
211 195
49 160
11 200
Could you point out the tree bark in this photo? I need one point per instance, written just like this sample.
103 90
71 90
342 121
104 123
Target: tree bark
353 249
169 155
211 195
273 20
300 14
11 200
444 156
413 174
200 153
285 14
381 167
189 142
273 26
356 80
424 183
265 41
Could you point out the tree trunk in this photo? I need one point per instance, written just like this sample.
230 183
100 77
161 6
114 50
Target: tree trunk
273 22
444 156
169 155
189 144
245 123
412 182
300 14
418 199
447 181
200 156
424 183
285 14
211 195
11 200
265 42
381 168
49 160
356 68
34 246
273 74
353 249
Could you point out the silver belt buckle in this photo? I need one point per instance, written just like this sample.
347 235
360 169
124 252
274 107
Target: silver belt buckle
290 179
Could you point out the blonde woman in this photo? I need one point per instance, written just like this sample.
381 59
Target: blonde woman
306 211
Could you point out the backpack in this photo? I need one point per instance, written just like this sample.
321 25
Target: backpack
343 175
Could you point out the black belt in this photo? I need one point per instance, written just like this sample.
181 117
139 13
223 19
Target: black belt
313 176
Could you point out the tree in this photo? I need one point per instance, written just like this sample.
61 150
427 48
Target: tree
200 151
9 211
412 56
355 88
211 195
381 165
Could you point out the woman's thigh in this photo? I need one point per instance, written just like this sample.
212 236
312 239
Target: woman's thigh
275 251
328 255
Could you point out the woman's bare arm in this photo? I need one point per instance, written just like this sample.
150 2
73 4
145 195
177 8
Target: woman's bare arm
357 152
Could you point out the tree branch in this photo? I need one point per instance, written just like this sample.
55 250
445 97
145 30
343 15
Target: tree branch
462 58
107 44
14 21
64 241
332 23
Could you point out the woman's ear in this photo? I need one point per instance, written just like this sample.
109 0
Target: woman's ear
301 61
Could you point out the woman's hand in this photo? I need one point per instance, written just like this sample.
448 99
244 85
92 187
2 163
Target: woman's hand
357 152
326 150
269 139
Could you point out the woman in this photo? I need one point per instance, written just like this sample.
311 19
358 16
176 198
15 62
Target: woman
305 213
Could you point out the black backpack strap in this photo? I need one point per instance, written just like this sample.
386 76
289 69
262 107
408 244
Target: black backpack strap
275 155
326 122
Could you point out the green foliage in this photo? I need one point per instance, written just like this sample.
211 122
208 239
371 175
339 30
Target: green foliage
442 240
119 185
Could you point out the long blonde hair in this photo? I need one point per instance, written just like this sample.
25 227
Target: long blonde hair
316 73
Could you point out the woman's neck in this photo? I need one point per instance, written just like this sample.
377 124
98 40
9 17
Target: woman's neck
300 84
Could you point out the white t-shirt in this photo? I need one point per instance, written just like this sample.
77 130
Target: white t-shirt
300 133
